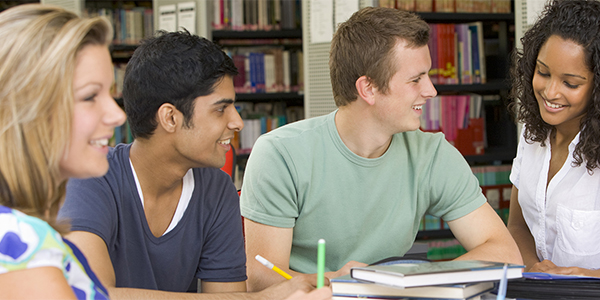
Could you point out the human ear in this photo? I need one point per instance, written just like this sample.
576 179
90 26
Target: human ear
168 117
366 90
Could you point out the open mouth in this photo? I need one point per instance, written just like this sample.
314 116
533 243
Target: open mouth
552 105
225 142
418 107
99 143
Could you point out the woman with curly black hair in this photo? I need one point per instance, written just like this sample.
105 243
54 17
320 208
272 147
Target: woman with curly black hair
555 200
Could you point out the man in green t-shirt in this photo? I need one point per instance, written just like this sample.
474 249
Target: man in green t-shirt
363 176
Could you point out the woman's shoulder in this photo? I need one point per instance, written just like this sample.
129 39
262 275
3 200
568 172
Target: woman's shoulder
23 236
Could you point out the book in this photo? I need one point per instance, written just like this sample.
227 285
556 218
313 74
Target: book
347 287
553 287
435 273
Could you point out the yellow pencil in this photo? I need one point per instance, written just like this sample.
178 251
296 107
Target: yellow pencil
271 266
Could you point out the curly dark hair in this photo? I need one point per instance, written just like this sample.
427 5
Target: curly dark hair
573 20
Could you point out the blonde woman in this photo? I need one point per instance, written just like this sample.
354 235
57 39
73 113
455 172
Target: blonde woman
56 117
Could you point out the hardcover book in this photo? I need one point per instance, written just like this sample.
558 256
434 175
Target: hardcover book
435 273
347 287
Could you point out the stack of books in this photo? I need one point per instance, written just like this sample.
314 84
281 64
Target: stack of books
423 280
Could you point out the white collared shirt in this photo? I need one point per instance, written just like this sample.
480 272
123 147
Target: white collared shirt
564 218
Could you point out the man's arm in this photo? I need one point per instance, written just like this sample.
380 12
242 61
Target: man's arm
485 237
274 244
520 231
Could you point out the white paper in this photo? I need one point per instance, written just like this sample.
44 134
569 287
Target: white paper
186 16
534 8
167 18
343 10
321 21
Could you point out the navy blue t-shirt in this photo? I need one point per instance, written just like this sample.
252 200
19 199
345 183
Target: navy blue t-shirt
207 243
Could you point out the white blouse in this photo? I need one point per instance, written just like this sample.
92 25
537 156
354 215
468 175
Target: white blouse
564 218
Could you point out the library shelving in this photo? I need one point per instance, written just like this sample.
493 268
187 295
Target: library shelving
499 129
132 21
8 4
264 38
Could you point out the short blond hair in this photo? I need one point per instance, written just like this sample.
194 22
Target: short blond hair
38 52
364 46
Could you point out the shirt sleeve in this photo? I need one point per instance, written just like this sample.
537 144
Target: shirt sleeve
27 242
455 191
269 193
90 205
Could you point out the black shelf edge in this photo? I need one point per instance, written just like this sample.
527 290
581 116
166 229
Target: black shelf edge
257 34
122 47
243 156
493 154
492 85
290 97
435 234
465 17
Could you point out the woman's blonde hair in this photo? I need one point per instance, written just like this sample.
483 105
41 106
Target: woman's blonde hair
38 55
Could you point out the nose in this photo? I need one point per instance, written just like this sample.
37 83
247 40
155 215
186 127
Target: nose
429 90
235 122
113 114
552 90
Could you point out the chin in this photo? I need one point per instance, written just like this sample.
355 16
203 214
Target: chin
97 171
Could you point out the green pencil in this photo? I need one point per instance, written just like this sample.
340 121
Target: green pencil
321 263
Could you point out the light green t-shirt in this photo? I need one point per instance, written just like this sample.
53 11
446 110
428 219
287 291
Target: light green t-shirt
303 176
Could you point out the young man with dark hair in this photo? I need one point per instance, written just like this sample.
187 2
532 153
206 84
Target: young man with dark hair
363 176
164 215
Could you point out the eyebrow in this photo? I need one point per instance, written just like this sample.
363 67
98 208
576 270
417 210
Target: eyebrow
86 85
571 75
224 101
418 75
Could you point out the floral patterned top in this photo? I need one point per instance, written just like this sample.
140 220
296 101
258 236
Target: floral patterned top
28 242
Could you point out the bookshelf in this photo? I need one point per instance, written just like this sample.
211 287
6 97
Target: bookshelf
500 129
8 4
264 38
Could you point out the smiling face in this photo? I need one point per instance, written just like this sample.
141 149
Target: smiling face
95 115
562 83
401 107
214 122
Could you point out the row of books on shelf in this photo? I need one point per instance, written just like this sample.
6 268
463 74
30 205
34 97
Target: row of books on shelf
459 117
450 6
496 187
260 118
256 14
492 174
130 25
119 73
122 135
268 70
457 53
